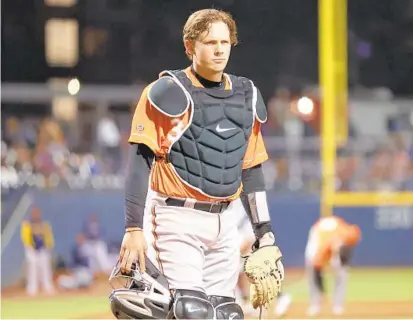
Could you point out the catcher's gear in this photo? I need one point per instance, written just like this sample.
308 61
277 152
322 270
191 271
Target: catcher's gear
139 295
190 304
260 111
226 308
265 271
229 310
168 96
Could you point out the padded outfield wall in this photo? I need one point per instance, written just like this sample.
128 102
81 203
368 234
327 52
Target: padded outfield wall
387 231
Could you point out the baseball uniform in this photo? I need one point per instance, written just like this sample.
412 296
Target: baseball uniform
330 240
199 155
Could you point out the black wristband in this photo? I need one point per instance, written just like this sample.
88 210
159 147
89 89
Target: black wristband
261 228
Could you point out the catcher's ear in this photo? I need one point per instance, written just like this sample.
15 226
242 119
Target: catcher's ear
189 48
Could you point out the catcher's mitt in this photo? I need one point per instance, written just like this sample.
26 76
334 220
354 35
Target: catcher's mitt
265 272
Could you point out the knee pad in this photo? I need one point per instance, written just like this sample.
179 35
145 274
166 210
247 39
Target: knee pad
191 304
226 308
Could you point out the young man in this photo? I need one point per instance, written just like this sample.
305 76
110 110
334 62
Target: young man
331 240
196 137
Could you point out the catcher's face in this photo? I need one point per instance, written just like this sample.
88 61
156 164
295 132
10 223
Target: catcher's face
210 53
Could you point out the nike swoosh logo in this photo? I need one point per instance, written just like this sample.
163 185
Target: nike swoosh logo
219 129
193 309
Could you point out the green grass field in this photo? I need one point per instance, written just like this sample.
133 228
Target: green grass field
364 285
54 307
367 285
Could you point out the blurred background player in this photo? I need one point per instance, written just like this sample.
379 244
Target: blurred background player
93 233
331 241
38 240
81 272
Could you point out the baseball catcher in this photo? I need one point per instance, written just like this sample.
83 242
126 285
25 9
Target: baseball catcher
196 139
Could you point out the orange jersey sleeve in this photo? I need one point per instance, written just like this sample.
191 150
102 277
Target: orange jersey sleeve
150 126
256 152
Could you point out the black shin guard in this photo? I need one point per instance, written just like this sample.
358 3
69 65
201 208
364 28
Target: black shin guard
226 308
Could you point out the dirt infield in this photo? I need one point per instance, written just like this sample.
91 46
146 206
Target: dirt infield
354 310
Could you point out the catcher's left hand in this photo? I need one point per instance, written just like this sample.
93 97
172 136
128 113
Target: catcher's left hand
265 271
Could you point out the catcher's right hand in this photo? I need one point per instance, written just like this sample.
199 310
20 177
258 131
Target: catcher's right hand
265 272
133 249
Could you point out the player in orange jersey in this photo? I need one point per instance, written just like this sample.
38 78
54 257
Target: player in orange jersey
196 142
331 240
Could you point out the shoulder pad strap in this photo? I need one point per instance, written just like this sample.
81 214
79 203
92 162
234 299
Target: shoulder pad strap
179 75
168 96
258 105
236 82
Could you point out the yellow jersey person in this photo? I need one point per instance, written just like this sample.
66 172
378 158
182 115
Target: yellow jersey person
38 241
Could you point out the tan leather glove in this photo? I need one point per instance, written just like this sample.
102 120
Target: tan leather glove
265 272
133 249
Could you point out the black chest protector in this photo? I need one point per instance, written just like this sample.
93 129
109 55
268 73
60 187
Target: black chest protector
209 154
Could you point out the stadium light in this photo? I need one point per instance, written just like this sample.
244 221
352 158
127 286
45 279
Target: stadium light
305 105
73 86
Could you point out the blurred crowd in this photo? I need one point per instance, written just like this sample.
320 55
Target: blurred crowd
40 152
45 152
364 163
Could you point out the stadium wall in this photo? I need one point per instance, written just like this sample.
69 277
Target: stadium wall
387 231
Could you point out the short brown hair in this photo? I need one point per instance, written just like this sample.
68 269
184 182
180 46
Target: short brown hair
200 21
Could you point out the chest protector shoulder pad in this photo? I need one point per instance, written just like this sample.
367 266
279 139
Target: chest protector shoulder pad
168 96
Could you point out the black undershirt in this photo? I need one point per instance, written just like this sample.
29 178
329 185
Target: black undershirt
140 165
208 83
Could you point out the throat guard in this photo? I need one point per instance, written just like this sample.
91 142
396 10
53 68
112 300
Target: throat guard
207 154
